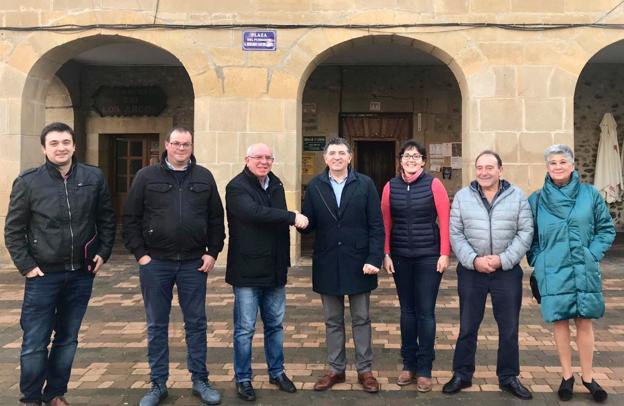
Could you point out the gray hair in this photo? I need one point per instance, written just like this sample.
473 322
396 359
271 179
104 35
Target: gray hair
559 149
253 146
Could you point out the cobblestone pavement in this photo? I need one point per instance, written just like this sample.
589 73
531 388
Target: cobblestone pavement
111 369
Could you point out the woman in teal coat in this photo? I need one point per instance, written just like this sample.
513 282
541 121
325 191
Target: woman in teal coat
573 230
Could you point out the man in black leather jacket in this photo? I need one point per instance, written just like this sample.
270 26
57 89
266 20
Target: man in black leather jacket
173 225
59 230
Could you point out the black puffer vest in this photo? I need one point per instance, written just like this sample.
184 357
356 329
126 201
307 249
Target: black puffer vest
415 232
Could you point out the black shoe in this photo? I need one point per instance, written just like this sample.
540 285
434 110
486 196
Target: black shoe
283 383
566 389
515 387
455 385
246 391
596 390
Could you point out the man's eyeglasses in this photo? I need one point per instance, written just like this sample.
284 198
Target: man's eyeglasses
411 156
180 145
267 158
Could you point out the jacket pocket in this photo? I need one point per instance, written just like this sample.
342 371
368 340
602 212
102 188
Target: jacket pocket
158 195
592 272
199 194
85 186
200 187
257 266
159 187
540 274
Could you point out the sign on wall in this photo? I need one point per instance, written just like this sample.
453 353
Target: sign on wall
374 106
259 40
129 101
307 164
309 108
311 144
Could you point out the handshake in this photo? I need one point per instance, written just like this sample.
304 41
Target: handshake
301 221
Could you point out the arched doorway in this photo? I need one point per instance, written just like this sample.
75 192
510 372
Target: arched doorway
123 94
599 90
378 91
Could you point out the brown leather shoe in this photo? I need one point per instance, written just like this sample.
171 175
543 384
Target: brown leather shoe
58 401
423 384
328 380
368 382
405 378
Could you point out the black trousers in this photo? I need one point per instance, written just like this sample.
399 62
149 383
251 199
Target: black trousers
505 287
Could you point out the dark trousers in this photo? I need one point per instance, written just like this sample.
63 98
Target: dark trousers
157 280
54 302
417 283
505 287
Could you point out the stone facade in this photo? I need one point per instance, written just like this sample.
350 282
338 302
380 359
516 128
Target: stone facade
517 87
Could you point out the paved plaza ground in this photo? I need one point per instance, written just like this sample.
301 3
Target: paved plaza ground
111 369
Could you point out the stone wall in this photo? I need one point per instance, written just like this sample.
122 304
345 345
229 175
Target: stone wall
600 90
517 86
58 104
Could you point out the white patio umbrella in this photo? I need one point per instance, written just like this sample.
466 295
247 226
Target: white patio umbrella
608 176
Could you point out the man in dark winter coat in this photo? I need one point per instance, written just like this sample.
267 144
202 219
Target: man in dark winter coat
59 230
343 208
258 261
173 225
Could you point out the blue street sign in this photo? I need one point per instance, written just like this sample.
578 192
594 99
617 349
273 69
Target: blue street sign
259 41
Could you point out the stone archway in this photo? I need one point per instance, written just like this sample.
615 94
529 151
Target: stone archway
38 80
599 90
30 88
381 59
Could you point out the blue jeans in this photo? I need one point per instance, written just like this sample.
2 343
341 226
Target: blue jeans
417 283
54 302
272 304
157 280
505 287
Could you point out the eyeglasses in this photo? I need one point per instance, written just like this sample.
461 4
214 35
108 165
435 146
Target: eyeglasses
268 158
183 145
411 156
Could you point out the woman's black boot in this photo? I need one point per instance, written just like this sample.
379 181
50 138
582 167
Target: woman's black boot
566 389
596 391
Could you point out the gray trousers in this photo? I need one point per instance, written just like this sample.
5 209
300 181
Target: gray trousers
333 308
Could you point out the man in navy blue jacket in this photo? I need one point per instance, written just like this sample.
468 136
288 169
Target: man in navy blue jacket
344 210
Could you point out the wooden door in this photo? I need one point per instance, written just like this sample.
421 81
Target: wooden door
130 153
375 138
377 160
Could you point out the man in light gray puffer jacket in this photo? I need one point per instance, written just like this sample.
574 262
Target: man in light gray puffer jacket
491 230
